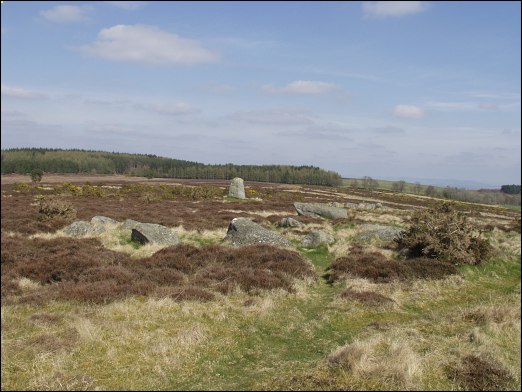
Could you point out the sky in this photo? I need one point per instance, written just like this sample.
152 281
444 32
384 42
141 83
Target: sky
390 90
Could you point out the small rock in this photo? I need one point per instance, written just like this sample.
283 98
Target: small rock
289 222
317 238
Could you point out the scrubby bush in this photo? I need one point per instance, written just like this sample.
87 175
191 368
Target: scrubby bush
36 175
52 207
445 234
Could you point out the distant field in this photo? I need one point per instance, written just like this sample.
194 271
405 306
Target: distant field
106 313
387 185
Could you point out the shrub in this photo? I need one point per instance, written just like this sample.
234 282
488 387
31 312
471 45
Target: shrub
445 234
55 207
36 175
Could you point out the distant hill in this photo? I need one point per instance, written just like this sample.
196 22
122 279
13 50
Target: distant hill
24 160
443 182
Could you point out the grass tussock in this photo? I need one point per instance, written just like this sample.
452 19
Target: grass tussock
479 373
388 361
365 297
377 268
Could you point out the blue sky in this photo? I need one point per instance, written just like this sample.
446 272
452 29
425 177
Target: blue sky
383 89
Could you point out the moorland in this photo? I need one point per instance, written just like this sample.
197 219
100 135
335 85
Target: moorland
104 312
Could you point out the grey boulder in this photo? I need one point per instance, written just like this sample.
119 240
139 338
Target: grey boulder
80 229
154 234
242 231
318 209
237 188
386 233
317 238
289 222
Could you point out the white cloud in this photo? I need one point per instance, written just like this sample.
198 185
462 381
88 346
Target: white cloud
463 106
67 14
285 117
170 109
128 5
301 87
17 92
393 8
408 111
148 44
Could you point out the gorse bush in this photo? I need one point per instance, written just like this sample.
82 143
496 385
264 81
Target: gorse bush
36 175
445 234
51 207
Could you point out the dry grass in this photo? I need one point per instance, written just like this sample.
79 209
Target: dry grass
389 360
88 314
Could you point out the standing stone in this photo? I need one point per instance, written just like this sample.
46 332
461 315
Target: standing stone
237 188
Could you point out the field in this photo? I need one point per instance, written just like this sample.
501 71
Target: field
102 312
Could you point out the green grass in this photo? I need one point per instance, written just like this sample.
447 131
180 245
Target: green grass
125 239
274 340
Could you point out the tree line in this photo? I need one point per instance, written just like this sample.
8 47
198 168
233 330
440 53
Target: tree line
26 160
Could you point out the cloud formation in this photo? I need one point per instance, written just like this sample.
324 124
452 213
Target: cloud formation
301 87
67 14
408 111
393 8
463 106
273 117
17 92
128 5
147 44
169 109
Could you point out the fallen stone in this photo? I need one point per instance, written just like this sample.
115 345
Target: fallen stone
242 231
154 234
386 233
317 238
80 229
316 210
130 224
103 220
289 222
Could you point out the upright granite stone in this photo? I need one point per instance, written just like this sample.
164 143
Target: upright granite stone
154 234
318 209
242 231
237 188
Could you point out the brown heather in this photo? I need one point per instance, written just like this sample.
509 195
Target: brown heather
375 267
83 270
475 373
